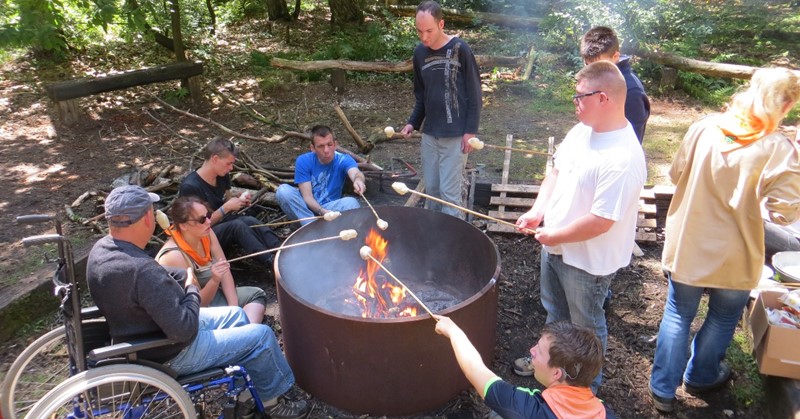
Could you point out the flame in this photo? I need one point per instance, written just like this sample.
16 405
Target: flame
379 297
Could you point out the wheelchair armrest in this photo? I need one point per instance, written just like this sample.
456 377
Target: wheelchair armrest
129 347
92 312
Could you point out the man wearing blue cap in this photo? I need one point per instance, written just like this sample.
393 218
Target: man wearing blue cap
139 297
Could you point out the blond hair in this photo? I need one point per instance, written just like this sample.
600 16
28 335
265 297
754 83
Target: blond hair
605 76
767 99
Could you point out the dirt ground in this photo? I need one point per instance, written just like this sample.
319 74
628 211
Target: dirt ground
47 165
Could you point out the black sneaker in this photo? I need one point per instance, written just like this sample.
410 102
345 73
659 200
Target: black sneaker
286 409
662 404
723 376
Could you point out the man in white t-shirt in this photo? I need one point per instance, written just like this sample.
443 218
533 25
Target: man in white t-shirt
589 205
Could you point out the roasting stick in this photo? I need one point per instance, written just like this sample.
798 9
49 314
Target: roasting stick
366 253
163 222
343 235
383 225
328 216
477 144
402 189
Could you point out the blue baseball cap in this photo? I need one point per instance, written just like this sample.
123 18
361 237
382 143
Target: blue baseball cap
128 204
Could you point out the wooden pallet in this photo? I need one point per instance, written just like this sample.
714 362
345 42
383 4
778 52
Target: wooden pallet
514 200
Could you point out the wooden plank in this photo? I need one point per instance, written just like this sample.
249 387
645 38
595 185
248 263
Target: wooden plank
507 215
645 236
649 209
646 223
499 187
511 201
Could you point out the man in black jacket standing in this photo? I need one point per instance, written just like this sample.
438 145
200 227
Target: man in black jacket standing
447 88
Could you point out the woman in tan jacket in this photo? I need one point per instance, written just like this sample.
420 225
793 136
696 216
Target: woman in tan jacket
727 166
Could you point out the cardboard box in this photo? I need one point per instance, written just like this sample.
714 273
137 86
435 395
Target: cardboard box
775 347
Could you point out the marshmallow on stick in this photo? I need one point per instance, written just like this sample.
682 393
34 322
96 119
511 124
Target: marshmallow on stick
389 131
477 144
343 235
402 189
328 216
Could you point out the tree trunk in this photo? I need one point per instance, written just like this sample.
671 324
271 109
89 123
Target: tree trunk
177 34
277 10
296 13
212 16
471 17
734 71
345 12
385 66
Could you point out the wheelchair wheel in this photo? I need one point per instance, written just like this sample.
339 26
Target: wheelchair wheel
43 365
116 391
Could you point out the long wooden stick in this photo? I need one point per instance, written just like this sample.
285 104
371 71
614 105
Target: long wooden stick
370 207
275 249
280 223
404 286
477 214
542 153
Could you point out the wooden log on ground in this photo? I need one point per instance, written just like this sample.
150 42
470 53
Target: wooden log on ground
387 66
452 15
88 86
734 71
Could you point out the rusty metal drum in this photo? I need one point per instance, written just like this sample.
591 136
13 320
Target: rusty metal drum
386 366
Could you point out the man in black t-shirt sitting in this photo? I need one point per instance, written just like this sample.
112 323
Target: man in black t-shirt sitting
212 183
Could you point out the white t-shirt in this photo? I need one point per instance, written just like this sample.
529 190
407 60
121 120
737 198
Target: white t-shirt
602 174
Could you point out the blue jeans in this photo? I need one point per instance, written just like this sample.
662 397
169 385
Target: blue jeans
225 337
291 201
709 344
443 170
574 295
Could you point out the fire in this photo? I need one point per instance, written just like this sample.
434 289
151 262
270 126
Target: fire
377 295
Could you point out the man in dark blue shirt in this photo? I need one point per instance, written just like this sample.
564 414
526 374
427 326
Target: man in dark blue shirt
601 43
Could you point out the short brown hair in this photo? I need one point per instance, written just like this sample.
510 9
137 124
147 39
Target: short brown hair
598 41
321 131
220 147
576 350
605 76
431 7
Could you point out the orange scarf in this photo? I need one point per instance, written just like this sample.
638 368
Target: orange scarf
573 402
742 129
189 250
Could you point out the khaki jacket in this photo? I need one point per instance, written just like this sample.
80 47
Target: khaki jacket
714 228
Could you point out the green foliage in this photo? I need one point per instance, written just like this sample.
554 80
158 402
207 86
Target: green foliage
711 90
748 387
375 42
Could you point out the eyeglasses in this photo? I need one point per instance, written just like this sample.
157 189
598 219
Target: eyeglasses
577 97
202 219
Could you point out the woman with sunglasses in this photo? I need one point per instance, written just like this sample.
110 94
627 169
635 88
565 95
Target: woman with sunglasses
193 243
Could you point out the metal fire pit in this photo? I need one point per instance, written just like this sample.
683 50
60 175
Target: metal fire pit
386 366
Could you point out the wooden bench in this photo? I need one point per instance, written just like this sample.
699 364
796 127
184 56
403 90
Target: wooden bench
65 94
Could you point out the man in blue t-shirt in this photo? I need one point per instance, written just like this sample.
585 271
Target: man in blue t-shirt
320 175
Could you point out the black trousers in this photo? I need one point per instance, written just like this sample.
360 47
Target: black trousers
235 230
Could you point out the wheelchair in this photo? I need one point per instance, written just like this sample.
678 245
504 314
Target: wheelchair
104 379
